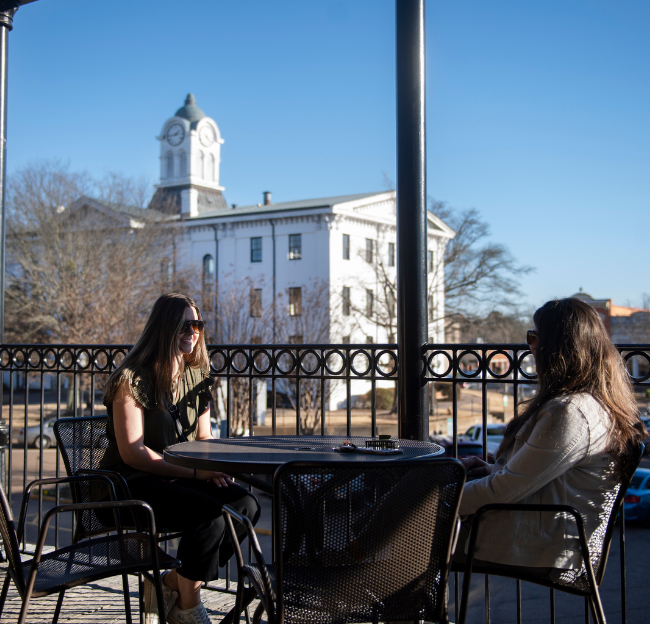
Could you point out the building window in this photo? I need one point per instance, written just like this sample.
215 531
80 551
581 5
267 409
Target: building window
346 301
183 165
256 249
170 165
346 246
430 261
391 254
369 340
212 168
208 280
295 301
370 300
369 249
202 164
346 339
295 246
297 339
256 302
430 308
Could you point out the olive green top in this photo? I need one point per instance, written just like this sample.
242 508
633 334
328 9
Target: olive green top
192 399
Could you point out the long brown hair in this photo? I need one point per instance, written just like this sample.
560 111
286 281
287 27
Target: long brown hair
575 354
157 348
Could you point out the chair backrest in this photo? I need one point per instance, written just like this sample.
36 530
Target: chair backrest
83 443
10 539
600 552
364 542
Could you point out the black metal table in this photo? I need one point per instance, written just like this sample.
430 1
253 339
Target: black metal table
244 457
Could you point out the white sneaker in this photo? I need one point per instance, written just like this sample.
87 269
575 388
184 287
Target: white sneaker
195 615
151 600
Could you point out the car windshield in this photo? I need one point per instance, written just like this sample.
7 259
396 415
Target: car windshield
636 481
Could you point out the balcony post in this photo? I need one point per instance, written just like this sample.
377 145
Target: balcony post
413 399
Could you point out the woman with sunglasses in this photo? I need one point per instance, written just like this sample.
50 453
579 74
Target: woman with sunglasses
160 395
569 445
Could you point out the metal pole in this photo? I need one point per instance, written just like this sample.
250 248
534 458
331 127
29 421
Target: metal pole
412 324
6 24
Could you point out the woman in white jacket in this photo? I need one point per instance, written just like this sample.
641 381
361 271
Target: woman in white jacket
568 445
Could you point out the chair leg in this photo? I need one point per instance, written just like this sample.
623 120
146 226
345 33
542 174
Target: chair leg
257 616
157 580
141 597
597 608
127 599
464 598
5 589
59 603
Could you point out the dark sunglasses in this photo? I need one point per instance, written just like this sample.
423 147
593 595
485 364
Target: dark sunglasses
197 326
531 336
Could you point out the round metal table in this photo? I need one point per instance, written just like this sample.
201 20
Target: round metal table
265 454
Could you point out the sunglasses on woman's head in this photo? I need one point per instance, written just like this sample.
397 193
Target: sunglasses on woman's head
196 325
531 336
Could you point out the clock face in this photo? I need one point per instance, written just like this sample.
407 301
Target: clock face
175 134
207 136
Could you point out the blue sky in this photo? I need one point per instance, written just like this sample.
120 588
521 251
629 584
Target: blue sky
537 111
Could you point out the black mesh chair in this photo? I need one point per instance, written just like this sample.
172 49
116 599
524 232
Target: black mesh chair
83 562
83 442
356 542
583 582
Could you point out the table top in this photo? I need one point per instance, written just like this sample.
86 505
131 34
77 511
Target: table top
264 454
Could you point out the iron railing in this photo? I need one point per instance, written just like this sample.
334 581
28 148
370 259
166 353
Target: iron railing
306 378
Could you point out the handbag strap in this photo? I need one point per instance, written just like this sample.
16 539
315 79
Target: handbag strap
173 410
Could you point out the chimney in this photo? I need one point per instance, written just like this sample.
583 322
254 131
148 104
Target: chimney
267 198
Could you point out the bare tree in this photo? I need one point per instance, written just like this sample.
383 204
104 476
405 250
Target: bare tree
79 271
244 318
479 275
310 323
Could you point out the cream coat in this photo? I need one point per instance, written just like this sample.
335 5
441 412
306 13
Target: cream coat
559 457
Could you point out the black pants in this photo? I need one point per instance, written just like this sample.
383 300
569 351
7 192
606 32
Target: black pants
194 507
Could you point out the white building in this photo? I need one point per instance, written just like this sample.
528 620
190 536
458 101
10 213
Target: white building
283 251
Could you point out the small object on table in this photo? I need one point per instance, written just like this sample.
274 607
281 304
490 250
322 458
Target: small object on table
382 442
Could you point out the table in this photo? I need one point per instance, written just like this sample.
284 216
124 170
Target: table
243 457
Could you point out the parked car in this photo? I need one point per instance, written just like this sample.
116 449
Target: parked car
637 498
494 436
34 437
466 448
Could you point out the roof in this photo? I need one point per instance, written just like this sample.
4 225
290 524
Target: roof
190 111
321 202
133 212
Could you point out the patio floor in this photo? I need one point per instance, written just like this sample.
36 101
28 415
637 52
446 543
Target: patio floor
101 602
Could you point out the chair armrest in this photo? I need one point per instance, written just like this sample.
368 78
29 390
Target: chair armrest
53 481
151 522
119 479
537 508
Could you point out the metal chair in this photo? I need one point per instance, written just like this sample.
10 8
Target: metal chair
584 582
84 561
83 443
355 543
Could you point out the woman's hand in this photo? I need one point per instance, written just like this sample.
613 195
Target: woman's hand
476 467
218 478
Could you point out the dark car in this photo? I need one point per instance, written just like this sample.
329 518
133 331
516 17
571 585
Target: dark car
466 448
637 497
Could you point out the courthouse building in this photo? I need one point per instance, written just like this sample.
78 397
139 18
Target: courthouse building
281 252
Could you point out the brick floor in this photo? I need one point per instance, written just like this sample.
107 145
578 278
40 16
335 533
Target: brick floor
101 602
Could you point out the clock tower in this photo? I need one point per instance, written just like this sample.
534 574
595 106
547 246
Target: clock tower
190 148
